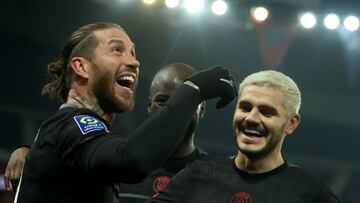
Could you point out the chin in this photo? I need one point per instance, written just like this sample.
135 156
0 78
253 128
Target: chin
128 106
251 151
252 154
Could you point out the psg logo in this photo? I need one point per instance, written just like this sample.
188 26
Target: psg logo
241 197
160 182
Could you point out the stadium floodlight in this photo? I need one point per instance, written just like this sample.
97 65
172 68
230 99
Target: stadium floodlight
308 20
194 6
351 23
259 14
149 1
219 7
331 21
172 3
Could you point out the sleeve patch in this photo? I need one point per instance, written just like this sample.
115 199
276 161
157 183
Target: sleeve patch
89 124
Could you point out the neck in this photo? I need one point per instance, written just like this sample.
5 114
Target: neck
185 148
88 102
259 165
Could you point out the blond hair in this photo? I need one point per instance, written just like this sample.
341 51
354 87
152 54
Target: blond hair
279 81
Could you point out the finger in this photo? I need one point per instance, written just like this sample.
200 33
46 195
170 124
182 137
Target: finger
17 172
14 184
222 103
235 91
225 100
7 180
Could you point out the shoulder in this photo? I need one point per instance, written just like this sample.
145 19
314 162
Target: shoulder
88 123
304 179
73 124
211 162
83 120
300 175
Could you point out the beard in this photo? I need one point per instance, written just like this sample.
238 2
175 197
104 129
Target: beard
258 154
270 145
105 94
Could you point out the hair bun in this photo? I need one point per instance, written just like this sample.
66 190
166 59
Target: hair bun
56 68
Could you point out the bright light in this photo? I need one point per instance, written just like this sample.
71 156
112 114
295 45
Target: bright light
219 7
331 21
172 3
351 23
260 14
194 6
308 20
149 1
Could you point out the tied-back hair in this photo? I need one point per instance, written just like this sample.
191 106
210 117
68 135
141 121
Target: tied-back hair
82 42
277 80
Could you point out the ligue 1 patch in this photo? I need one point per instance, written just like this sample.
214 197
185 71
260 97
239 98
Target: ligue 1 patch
89 124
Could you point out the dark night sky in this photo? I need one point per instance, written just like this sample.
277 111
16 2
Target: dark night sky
324 63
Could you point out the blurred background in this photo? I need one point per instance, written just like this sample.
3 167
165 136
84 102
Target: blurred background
316 42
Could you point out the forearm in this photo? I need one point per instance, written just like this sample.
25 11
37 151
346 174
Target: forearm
153 142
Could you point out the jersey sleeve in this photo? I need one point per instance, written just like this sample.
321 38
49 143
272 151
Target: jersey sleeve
130 160
327 196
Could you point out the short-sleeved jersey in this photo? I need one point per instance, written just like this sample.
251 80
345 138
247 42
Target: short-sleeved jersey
157 179
219 181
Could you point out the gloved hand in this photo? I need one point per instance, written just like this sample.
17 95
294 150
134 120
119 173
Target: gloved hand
213 83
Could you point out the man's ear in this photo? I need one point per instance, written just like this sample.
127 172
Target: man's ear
80 67
148 105
293 124
202 110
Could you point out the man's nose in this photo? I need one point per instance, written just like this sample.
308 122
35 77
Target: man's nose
253 116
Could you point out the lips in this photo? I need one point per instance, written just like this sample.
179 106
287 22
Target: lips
250 132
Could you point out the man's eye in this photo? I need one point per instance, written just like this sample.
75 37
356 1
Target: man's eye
160 103
118 49
268 113
245 107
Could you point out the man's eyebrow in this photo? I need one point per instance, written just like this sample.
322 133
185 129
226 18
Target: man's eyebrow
121 42
269 108
243 102
116 41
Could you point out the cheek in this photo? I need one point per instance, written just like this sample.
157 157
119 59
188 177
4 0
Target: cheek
237 116
277 128
153 109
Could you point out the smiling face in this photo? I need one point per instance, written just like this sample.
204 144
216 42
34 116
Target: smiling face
260 122
165 83
114 71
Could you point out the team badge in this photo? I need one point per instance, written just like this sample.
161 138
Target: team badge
241 197
160 183
89 124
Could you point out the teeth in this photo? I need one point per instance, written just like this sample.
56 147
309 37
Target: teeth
127 78
252 132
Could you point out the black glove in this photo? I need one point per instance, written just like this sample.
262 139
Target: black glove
213 83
